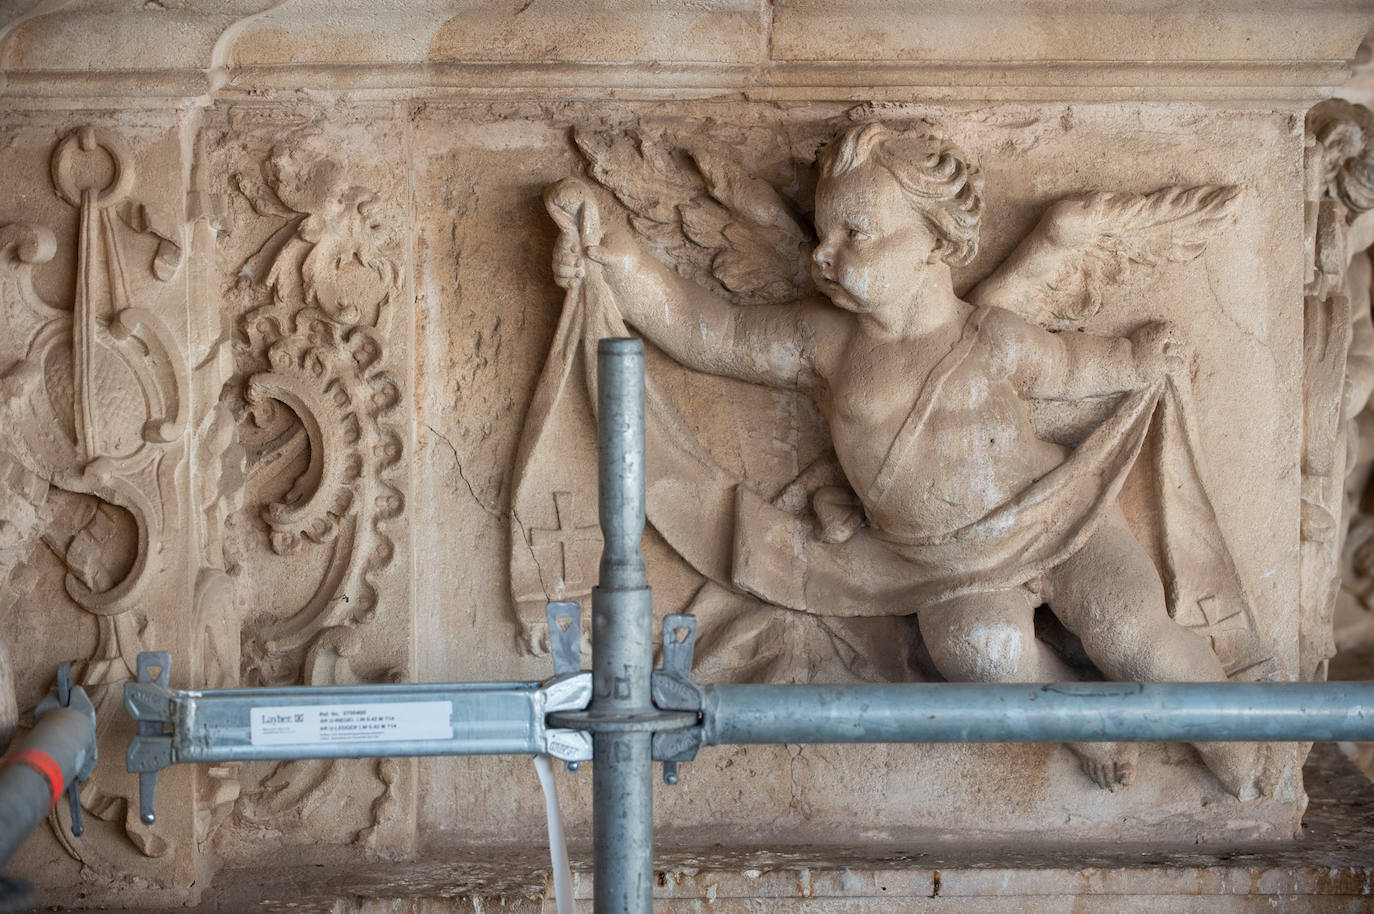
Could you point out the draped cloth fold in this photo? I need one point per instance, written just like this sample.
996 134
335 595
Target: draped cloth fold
690 497
741 542
779 558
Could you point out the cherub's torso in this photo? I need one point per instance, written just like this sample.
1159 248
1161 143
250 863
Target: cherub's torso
976 449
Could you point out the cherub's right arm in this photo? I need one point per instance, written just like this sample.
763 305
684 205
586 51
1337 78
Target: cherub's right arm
774 345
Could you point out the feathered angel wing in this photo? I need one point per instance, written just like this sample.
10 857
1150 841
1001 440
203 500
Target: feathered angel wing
1089 241
716 223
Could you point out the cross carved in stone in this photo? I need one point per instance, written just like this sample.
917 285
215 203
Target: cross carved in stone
1214 624
579 545
1212 618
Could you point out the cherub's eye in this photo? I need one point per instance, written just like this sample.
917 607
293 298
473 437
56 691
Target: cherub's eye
854 233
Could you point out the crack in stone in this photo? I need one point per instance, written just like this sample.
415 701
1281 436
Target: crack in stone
458 463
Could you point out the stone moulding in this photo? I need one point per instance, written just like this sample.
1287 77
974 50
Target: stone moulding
1108 50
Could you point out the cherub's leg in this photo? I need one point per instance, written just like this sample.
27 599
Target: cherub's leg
1109 594
991 638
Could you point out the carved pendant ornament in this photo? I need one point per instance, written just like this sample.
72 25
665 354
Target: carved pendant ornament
953 501
1338 376
95 397
94 410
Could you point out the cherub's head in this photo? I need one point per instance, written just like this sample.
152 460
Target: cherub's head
888 205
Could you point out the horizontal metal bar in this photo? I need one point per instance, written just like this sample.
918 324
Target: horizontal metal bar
225 725
1070 712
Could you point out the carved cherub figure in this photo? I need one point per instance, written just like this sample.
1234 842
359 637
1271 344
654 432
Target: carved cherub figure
928 399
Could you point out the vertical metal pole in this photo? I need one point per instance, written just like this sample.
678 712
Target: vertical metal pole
622 642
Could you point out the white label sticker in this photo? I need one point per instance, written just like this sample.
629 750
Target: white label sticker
360 723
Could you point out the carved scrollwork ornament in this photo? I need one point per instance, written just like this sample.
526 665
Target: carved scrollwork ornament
316 391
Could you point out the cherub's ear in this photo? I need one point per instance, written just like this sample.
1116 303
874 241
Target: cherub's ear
955 254
939 252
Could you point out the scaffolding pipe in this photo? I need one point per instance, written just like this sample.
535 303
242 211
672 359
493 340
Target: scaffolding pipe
1053 713
42 764
622 643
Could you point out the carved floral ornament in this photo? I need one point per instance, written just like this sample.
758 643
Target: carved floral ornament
316 355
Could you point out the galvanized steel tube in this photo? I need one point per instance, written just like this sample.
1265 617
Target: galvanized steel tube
620 462
622 642
1070 712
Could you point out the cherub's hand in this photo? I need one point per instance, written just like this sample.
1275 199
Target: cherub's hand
617 253
1160 352
567 260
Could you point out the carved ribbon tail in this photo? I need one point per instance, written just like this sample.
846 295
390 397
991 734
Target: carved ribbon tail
1203 587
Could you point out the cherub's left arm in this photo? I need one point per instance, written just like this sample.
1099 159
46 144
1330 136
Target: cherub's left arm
1073 365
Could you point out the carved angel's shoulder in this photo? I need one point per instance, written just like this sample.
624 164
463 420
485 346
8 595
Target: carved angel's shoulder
827 331
1006 339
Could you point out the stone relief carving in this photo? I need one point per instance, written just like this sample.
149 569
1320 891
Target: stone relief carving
319 414
94 404
315 383
957 492
1338 377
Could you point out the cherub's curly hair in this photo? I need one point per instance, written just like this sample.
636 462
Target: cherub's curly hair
941 182
1345 133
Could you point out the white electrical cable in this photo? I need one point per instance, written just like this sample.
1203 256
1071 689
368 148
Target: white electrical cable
558 847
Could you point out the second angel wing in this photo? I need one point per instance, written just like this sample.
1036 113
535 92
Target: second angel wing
1086 242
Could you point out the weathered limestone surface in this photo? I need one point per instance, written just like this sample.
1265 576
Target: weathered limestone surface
271 328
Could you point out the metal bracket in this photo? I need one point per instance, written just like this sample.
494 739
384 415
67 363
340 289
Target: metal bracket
679 641
673 690
565 636
679 636
75 698
150 705
565 644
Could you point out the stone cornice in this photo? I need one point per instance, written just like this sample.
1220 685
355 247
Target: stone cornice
655 49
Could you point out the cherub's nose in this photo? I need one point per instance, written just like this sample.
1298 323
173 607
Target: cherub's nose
824 255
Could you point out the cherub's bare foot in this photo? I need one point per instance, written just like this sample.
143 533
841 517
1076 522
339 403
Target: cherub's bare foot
1248 771
1110 765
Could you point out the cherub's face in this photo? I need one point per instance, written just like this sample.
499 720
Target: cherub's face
874 247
